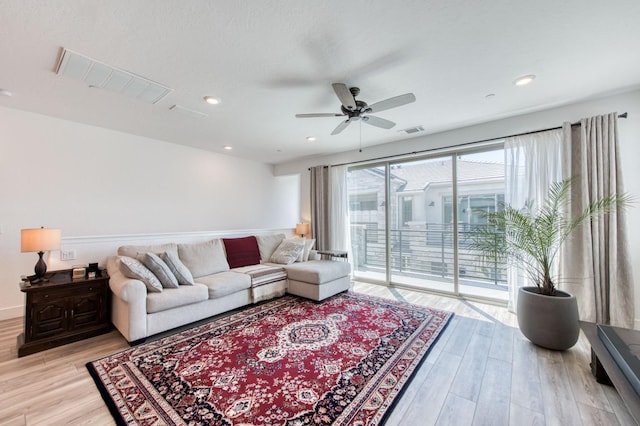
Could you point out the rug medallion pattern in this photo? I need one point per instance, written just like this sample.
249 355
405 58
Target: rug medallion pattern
289 361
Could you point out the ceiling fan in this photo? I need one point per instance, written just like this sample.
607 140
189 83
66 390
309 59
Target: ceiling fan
359 110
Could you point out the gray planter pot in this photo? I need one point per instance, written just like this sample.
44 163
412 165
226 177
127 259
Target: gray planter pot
548 321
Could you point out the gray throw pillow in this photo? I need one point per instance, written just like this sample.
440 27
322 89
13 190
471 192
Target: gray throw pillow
288 251
133 268
181 272
159 269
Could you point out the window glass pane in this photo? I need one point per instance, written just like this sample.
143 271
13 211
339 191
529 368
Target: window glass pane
480 191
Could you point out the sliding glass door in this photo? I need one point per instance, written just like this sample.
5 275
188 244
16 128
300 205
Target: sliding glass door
411 222
367 213
421 237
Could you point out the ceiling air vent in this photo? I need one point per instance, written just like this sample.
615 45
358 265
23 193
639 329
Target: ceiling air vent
412 130
190 112
96 74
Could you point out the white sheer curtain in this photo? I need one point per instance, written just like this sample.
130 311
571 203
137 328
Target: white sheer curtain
339 232
532 163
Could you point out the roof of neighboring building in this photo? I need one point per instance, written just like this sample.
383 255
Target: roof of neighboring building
418 175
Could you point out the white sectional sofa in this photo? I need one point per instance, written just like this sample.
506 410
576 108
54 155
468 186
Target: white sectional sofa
160 287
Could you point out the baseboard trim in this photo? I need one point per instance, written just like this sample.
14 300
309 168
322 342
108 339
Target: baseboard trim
11 312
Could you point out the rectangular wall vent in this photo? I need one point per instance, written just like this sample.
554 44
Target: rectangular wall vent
412 130
96 74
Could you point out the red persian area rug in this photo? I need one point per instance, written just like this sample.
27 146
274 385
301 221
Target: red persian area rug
289 361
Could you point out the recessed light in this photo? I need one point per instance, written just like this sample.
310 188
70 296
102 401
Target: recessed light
227 147
6 92
311 138
524 80
211 100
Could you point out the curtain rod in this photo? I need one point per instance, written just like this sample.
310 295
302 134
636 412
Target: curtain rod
386 157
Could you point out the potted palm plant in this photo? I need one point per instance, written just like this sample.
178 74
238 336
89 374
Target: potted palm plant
532 239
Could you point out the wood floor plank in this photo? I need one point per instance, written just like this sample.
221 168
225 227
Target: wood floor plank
430 398
591 416
616 403
492 408
472 368
526 388
456 411
502 343
521 416
559 404
457 344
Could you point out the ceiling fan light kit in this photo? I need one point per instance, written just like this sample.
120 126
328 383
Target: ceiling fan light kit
356 109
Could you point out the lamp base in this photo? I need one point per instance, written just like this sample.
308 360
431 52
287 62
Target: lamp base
40 269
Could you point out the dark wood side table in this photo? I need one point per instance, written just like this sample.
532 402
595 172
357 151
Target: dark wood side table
602 359
64 310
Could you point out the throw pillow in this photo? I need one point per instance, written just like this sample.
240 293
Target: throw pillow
301 255
133 268
159 269
204 258
242 251
181 272
268 244
288 251
308 246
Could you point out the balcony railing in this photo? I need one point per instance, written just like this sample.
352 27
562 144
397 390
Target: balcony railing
426 251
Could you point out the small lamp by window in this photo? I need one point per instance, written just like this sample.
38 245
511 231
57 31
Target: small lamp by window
302 229
39 240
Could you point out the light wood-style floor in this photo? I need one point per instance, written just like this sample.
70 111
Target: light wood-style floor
482 371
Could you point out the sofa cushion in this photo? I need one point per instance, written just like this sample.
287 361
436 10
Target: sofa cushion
267 244
181 272
317 271
241 251
175 297
135 251
133 268
203 258
288 251
263 274
225 283
159 269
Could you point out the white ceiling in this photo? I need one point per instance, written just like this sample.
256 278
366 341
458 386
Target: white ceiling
270 59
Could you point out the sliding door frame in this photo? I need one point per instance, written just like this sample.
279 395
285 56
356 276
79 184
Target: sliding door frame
454 154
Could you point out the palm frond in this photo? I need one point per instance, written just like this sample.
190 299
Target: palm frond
533 239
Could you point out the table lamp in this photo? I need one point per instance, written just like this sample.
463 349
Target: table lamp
39 240
302 229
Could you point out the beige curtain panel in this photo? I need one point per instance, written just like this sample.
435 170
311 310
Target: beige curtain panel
595 262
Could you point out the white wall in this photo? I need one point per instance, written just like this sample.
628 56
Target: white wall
90 181
629 133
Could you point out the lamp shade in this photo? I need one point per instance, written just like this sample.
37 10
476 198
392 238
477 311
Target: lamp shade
302 228
39 239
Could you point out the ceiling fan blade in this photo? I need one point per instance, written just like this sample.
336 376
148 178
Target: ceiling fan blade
378 122
341 126
319 114
396 101
345 96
